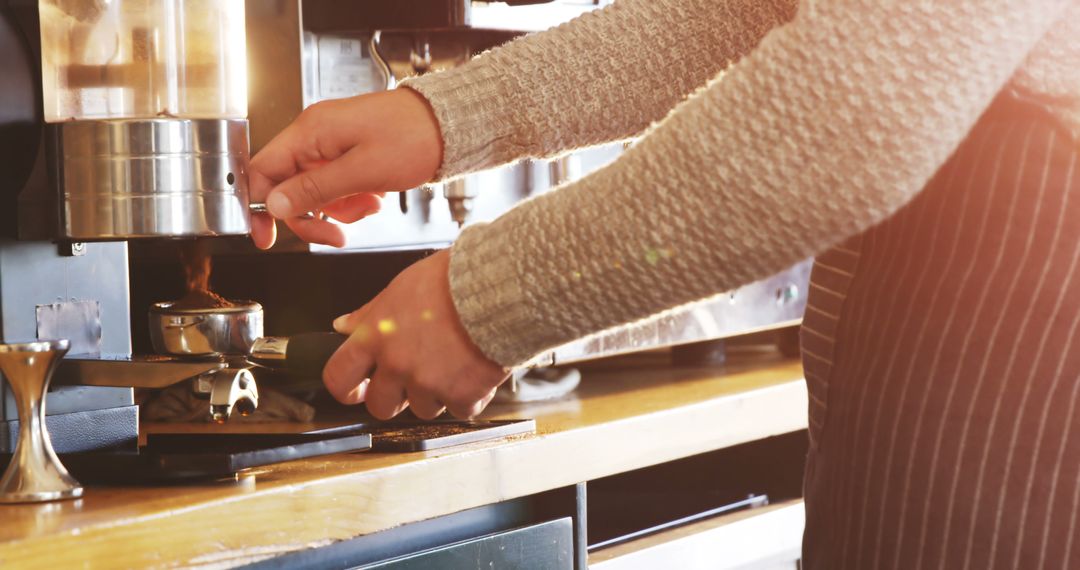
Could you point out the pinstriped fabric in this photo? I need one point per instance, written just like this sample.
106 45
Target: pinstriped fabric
941 358
829 282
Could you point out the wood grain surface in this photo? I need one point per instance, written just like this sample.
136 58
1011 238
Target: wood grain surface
627 414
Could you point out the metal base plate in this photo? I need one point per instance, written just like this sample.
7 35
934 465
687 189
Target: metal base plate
9 499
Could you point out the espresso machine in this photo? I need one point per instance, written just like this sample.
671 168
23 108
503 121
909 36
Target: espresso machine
301 53
119 121
324 49
124 127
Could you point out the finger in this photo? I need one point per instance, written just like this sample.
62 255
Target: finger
358 170
259 184
263 231
347 324
464 407
487 400
354 208
423 403
316 136
275 162
314 230
470 411
347 370
385 397
472 396
358 394
464 411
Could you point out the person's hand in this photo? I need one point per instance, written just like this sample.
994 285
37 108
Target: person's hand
412 337
338 157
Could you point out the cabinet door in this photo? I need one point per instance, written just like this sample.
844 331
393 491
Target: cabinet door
545 546
765 538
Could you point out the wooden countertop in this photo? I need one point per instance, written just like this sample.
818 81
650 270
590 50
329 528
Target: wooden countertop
627 414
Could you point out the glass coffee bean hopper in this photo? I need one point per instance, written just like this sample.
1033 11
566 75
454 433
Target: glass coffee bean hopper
147 100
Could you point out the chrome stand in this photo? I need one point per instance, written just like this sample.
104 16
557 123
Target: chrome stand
34 474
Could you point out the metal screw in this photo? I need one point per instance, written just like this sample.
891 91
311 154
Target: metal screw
72 249
787 294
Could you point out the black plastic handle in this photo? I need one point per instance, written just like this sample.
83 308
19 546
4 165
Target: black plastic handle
308 353
300 355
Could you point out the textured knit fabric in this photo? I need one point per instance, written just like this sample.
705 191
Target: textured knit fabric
940 350
833 122
604 77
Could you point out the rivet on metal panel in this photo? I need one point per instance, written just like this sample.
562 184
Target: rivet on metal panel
787 294
72 248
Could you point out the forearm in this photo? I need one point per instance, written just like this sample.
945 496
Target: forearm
602 77
837 120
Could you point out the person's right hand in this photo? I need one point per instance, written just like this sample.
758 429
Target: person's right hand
339 157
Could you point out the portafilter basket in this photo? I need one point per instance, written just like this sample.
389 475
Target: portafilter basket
194 333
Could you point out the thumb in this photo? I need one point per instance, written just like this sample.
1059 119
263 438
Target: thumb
314 188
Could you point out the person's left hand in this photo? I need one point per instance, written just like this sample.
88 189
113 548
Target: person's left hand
422 357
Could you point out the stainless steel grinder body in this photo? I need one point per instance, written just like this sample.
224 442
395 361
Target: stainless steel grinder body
144 178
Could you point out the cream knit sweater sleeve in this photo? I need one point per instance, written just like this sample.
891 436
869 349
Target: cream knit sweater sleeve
603 77
836 120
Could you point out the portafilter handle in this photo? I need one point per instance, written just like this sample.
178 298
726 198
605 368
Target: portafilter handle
35 474
303 354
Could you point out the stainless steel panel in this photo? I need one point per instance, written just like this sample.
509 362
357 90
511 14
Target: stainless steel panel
758 539
34 273
275 95
427 219
79 322
771 303
123 179
545 546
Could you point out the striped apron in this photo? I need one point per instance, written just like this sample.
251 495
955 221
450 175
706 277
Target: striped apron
942 357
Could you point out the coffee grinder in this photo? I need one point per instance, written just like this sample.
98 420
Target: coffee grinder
119 120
